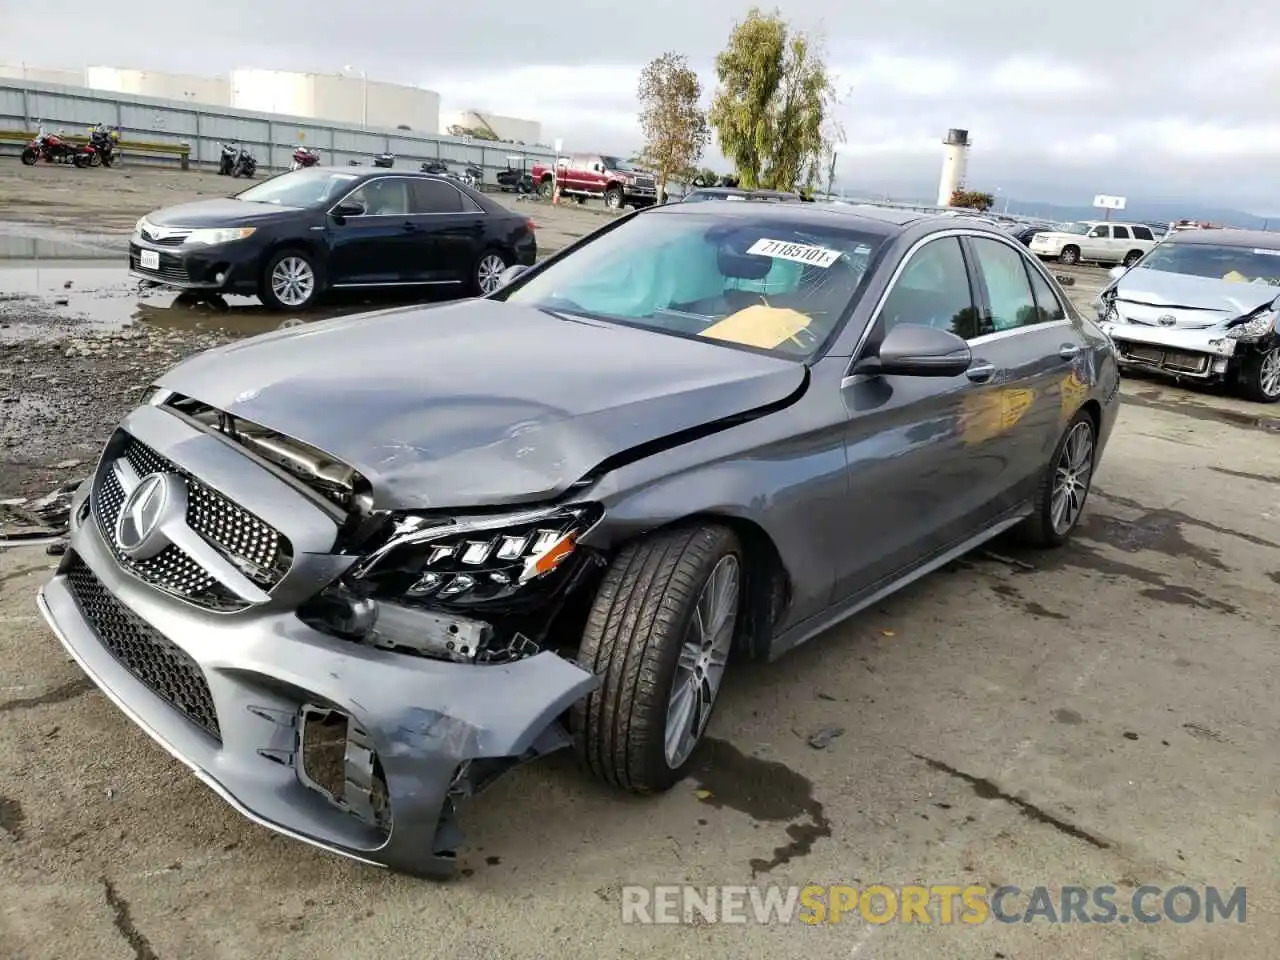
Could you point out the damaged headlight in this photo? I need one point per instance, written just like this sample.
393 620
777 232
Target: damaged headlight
477 560
1254 327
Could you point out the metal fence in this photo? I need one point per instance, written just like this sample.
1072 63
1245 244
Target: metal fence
270 137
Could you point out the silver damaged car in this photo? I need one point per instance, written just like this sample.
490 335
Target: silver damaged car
352 571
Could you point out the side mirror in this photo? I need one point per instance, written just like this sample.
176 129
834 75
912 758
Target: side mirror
1115 273
915 350
510 274
349 208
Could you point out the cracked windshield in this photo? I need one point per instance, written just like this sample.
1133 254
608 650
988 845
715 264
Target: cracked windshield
504 481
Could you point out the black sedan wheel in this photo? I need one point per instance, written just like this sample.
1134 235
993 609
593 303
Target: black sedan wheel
1065 486
488 273
659 636
291 281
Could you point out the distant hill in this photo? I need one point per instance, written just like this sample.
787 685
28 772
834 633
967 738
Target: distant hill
1160 212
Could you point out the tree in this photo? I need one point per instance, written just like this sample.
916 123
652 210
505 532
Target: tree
832 137
675 128
774 95
972 200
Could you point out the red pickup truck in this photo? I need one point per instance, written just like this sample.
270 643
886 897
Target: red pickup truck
612 179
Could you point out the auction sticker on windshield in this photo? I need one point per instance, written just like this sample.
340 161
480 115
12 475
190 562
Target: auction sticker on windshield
799 252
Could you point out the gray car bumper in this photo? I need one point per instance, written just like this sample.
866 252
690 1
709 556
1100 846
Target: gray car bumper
425 719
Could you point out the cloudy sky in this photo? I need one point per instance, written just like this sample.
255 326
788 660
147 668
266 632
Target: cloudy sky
1163 100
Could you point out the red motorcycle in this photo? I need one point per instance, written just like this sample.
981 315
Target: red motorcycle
52 148
304 157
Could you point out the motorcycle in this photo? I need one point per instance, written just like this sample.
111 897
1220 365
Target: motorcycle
246 165
52 148
102 141
434 166
228 159
304 157
385 160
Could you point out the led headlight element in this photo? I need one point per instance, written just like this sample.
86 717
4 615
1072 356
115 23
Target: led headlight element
218 235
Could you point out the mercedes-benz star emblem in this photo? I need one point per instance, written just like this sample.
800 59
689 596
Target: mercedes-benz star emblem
157 499
1168 320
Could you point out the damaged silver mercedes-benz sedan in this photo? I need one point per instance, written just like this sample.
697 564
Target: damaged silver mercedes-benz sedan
1203 305
352 571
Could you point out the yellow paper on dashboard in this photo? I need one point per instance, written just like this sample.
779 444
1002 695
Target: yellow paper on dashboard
759 326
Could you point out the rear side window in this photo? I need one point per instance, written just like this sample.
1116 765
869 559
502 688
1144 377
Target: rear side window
1121 233
1100 232
933 290
1142 233
432 196
1047 303
1008 288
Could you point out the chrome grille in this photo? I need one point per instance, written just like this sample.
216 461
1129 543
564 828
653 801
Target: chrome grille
253 546
162 237
166 669
1182 361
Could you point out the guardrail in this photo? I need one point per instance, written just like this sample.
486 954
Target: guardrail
180 151
270 137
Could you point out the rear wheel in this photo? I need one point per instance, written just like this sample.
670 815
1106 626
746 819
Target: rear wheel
291 281
1069 255
1259 378
546 188
488 272
1065 486
659 636
82 160
1132 257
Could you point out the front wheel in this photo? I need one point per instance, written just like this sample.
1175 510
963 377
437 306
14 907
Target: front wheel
1259 377
1132 257
613 198
291 281
1065 486
487 276
546 188
29 157
81 160
1069 255
659 636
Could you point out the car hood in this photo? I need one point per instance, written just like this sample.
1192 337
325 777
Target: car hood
1151 296
222 212
479 402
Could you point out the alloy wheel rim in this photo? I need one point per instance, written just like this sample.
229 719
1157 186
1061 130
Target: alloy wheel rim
490 273
1269 373
292 281
613 201
1071 476
701 663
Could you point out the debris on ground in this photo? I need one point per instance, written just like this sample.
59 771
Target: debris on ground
821 739
24 520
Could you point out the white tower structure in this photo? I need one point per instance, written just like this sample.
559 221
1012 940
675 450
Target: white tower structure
955 157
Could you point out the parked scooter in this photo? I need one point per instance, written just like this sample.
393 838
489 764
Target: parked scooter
385 160
304 157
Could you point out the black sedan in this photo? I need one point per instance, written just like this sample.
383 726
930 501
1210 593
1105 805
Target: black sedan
291 238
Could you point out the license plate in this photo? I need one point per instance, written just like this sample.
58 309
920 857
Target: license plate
149 259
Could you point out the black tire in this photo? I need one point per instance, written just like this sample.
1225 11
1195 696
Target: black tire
480 270
29 157
268 295
1132 257
1038 529
81 160
1070 255
1255 379
546 188
637 625
613 198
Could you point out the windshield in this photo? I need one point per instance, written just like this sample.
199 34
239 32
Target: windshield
761 283
617 163
299 188
1079 229
1241 264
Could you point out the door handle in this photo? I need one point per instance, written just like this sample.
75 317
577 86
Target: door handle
980 372
1068 351
409 225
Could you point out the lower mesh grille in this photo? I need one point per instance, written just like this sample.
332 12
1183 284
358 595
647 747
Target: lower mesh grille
164 667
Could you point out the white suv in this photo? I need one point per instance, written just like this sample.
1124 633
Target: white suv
1099 240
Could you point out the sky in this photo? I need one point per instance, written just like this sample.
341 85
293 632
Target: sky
1160 101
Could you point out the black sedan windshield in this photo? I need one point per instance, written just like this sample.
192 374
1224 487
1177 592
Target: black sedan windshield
1220 262
300 188
767 284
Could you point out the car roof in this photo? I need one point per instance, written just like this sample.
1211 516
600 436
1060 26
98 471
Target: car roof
1227 237
744 193
382 171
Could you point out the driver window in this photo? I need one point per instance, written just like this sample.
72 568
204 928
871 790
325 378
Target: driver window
934 291
1098 233
386 197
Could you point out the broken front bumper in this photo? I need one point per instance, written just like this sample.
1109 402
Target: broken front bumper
1199 354
228 695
